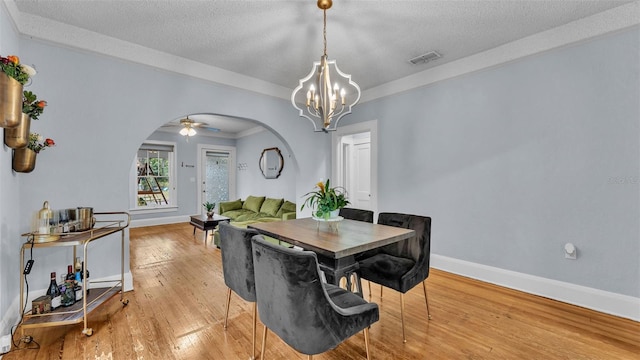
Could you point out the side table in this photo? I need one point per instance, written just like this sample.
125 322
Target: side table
205 223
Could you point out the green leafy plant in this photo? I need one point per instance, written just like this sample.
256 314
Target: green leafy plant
37 143
11 66
209 206
326 199
32 106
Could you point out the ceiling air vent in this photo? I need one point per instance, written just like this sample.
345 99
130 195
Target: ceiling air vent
425 58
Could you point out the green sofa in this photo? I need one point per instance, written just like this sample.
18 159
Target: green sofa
256 209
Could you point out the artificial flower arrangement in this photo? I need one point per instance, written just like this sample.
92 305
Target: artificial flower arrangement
326 199
38 143
32 106
11 66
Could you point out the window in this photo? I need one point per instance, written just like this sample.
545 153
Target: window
155 176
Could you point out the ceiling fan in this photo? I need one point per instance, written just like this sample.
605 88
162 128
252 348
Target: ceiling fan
188 126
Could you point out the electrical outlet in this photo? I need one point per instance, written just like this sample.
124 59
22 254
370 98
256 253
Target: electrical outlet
5 344
570 251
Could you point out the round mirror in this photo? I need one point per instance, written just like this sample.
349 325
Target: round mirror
271 163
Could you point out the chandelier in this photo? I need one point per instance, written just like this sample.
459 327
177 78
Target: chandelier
324 103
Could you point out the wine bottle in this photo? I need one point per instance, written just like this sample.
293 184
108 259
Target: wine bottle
54 292
85 281
70 274
78 285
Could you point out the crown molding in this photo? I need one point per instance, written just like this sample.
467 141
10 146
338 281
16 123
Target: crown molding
609 21
616 19
84 40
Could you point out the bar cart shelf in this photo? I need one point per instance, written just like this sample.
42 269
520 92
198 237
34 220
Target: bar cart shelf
107 223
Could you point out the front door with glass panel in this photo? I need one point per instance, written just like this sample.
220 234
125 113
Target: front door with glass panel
216 179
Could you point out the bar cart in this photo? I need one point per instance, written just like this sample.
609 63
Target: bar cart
106 223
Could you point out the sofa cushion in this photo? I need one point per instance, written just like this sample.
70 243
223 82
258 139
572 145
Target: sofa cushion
230 205
286 207
235 214
253 203
271 206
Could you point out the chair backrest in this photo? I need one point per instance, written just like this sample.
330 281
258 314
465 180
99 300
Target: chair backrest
357 214
291 299
417 248
237 260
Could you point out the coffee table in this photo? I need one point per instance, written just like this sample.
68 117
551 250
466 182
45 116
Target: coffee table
205 223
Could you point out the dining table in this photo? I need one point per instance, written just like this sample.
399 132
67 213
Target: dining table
336 243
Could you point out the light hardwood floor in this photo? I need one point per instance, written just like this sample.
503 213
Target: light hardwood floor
177 309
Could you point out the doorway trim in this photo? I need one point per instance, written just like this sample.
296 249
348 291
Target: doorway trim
202 149
337 156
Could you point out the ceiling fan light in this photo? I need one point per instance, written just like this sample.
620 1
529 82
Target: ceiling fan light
184 131
191 132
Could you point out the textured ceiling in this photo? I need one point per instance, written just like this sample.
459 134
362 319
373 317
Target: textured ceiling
277 41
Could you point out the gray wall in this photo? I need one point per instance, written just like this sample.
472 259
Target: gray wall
514 161
511 162
187 153
100 110
10 204
251 181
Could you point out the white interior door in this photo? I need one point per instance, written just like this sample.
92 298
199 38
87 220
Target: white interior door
360 182
354 163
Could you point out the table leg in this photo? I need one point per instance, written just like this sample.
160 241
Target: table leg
194 231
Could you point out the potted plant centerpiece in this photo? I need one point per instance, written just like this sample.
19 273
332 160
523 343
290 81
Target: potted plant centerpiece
209 206
327 201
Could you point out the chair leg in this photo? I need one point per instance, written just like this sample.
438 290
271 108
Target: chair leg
253 344
426 299
309 357
369 290
264 342
226 312
366 342
381 287
404 339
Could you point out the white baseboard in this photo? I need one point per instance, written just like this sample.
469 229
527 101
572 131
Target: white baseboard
11 317
599 300
159 221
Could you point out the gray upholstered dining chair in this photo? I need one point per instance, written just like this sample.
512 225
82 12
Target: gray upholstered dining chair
309 315
237 267
404 264
357 214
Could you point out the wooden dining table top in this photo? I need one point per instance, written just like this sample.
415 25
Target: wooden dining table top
335 240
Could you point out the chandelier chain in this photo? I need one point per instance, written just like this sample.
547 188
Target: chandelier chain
324 31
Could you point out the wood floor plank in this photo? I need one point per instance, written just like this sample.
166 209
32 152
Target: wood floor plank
177 311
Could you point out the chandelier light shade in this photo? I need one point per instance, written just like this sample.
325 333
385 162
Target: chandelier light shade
188 129
326 94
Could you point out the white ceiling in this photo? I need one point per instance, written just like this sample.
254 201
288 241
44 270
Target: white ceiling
277 41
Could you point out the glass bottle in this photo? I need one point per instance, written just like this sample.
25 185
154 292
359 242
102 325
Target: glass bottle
78 286
54 292
85 281
70 274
